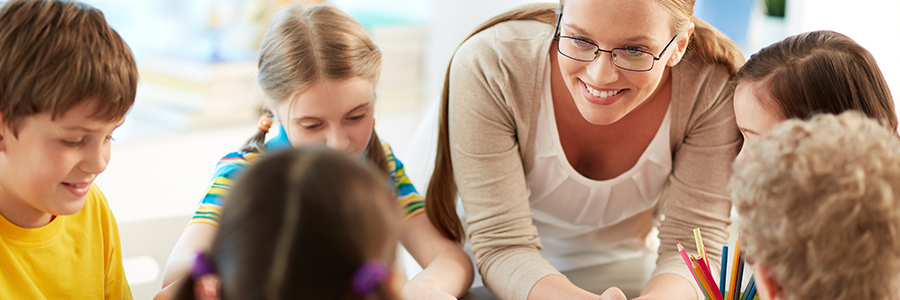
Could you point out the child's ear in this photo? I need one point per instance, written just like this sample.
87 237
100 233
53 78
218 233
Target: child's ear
766 286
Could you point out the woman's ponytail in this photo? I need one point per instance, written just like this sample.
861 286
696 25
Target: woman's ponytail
714 46
440 198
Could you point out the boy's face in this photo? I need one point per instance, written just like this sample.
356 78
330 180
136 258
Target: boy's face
47 168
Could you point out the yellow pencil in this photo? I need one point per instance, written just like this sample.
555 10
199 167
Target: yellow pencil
701 250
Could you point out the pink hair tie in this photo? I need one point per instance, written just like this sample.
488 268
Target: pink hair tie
367 277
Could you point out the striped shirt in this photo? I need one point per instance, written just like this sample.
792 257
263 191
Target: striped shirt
233 164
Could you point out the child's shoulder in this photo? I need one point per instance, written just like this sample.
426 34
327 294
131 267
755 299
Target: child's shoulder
96 205
95 198
388 152
240 157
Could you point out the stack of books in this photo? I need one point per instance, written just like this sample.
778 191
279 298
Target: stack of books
187 94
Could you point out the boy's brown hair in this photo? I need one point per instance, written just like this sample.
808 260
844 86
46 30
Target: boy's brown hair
819 206
55 55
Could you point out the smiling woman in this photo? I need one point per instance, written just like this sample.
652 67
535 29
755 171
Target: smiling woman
568 143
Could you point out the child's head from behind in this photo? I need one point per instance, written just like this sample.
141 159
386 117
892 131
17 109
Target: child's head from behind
66 81
819 203
318 68
809 73
310 222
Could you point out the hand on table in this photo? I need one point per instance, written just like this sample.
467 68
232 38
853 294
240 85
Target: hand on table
424 289
613 293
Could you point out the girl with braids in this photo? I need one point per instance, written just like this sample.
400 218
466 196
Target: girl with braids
569 131
307 223
318 68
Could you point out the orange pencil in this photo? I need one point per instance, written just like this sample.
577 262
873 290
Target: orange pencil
734 269
704 282
687 261
709 278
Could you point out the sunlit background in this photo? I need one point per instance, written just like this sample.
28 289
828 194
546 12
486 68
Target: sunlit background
197 99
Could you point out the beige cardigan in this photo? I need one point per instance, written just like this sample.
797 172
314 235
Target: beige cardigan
495 82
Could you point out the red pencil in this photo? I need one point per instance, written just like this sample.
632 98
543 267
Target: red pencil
687 261
709 278
704 282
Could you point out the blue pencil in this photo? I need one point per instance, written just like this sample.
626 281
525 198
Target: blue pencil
752 292
751 286
724 269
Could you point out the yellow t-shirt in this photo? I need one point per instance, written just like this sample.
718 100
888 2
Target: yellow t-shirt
74 257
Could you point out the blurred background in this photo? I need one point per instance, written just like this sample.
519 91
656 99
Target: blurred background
197 99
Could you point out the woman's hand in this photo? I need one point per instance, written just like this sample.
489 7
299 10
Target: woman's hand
613 293
668 287
424 288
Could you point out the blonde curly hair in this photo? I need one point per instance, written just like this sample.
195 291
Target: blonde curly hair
819 203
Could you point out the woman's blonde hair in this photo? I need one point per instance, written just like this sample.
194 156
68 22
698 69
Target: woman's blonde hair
819 205
305 45
440 198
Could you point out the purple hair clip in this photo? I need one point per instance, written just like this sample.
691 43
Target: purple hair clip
202 266
367 277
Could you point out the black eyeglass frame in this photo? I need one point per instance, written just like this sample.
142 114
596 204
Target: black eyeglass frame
557 35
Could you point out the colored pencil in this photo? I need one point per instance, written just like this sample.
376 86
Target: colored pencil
724 270
740 274
701 250
704 283
734 269
752 292
750 287
687 261
709 278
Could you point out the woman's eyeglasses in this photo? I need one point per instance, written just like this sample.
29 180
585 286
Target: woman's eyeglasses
628 58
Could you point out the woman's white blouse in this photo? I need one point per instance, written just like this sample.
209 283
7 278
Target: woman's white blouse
584 222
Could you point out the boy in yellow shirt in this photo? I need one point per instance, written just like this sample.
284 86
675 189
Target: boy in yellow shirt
66 81
819 206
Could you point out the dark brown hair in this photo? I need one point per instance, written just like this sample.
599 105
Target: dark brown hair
55 55
440 199
305 45
324 215
820 72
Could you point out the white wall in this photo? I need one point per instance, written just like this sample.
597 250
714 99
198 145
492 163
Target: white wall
451 22
874 24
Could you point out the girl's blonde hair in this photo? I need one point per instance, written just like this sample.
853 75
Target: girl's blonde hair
305 45
708 42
